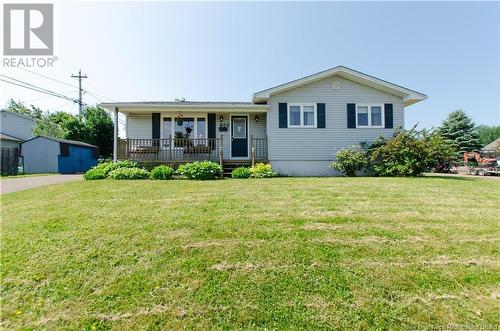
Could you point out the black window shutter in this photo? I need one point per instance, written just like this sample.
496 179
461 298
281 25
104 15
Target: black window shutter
211 125
156 125
388 116
320 107
351 115
283 115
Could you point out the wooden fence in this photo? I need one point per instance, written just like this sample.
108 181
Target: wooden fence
9 160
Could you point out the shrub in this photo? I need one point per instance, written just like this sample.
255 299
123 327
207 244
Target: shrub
241 172
102 170
409 153
201 170
263 170
95 173
129 173
350 160
162 172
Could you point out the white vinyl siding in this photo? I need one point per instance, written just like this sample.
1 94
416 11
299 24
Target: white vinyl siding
321 144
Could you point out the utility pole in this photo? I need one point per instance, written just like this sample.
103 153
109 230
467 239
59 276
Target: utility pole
80 102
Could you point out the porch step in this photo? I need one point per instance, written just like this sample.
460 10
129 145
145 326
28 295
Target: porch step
229 166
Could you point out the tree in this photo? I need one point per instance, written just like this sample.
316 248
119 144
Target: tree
459 130
19 108
100 129
74 128
488 133
46 127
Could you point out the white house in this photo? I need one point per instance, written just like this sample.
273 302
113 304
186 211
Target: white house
297 126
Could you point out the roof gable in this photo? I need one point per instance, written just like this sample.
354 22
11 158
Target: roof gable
64 141
409 96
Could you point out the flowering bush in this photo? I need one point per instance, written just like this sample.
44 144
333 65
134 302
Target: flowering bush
263 170
349 161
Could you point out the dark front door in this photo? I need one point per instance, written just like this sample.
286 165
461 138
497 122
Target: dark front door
239 136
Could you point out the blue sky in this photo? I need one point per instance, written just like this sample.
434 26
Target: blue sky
226 51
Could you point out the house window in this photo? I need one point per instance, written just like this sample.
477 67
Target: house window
302 115
369 116
294 115
185 127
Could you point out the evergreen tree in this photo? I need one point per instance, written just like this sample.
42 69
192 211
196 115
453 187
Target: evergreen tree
488 133
459 130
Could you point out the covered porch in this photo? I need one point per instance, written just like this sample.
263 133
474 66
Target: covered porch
179 132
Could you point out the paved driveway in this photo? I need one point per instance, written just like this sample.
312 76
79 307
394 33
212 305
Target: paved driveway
24 183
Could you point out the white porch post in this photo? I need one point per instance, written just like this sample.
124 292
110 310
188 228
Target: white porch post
115 135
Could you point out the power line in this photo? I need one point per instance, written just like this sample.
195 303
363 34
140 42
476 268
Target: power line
47 77
36 88
61 82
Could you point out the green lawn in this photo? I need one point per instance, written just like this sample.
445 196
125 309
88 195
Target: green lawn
278 253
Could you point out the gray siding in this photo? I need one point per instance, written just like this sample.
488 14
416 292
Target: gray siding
139 126
16 126
306 144
40 156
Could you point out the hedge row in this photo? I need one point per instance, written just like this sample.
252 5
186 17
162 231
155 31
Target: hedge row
204 170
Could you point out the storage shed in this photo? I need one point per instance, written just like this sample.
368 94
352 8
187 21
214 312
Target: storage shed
53 155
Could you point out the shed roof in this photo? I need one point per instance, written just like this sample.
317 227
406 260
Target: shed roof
65 141
4 136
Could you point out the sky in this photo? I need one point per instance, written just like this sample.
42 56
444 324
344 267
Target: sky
226 51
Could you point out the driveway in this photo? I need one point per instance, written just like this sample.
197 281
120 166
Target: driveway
24 183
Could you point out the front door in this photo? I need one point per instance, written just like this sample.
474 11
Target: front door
239 136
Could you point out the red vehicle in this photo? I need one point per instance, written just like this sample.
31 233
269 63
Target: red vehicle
486 165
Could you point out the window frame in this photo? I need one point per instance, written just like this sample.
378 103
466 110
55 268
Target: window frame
195 117
369 106
301 125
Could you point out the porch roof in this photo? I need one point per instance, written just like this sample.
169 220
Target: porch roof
148 106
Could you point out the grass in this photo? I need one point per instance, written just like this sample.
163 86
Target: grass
313 253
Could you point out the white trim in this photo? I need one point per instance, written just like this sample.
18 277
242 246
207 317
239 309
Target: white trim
134 107
301 125
231 137
409 96
369 106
